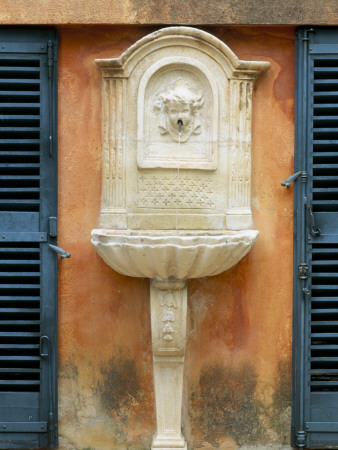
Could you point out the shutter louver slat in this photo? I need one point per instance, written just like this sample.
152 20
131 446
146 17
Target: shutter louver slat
18 335
324 333
18 346
324 262
20 134
19 327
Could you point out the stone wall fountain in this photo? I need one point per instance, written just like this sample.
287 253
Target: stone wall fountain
176 183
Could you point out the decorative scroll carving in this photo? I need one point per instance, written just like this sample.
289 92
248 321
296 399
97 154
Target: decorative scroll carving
176 191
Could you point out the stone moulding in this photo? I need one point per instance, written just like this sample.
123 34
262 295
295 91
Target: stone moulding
140 140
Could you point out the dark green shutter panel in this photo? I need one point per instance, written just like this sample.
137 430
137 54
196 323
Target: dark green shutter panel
28 285
315 412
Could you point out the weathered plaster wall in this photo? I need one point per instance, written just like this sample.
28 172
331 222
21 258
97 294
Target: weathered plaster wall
237 386
189 12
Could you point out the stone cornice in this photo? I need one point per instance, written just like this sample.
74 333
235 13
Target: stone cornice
165 12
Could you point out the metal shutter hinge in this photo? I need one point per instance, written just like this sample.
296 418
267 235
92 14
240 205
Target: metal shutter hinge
53 227
309 30
51 430
300 439
303 271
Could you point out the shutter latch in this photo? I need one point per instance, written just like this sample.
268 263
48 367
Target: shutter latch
47 354
53 234
293 177
303 271
60 251
50 59
315 232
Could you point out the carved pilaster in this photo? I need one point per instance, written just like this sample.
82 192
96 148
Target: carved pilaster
168 327
239 212
114 132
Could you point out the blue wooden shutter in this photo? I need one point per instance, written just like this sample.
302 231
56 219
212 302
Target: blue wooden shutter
315 363
28 278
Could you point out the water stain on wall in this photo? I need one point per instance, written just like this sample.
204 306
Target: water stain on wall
120 383
223 404
124 397
280 415
120 390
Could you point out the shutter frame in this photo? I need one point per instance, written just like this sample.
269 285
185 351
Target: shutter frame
21 425
315 333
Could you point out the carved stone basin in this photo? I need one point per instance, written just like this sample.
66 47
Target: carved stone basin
171 255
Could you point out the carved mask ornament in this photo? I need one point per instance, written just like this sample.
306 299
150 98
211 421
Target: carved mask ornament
182 103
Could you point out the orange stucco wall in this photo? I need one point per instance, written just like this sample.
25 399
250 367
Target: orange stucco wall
237 374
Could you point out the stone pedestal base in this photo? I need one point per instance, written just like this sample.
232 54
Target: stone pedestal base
170 448
168 327
167 444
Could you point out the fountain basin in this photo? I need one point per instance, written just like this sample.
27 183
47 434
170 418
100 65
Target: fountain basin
165 255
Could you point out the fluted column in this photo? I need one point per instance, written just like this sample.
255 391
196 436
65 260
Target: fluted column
239 211
113 212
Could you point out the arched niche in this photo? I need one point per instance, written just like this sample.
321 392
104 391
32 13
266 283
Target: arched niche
152 181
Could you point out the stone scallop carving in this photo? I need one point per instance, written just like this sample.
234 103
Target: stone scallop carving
164 256
176 184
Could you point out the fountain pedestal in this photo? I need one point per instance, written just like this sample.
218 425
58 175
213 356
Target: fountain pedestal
168 300
168 260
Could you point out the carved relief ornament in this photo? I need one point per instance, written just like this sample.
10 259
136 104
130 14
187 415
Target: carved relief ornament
177 74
